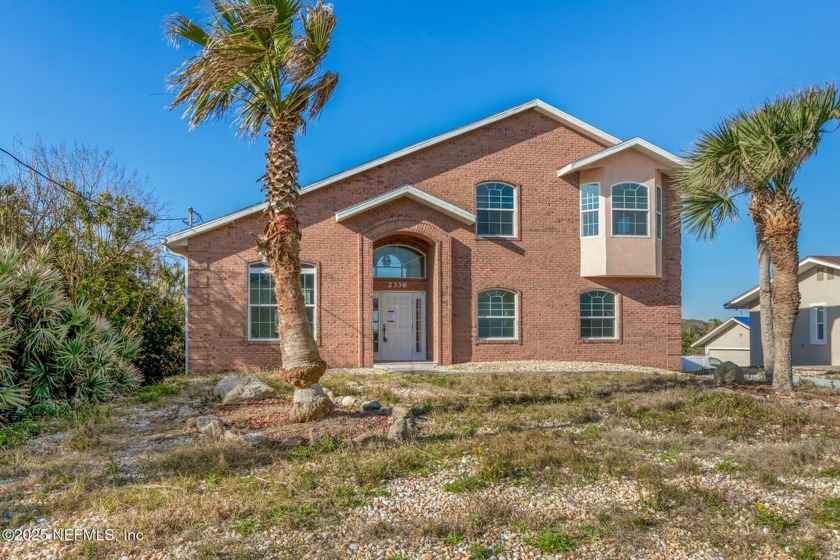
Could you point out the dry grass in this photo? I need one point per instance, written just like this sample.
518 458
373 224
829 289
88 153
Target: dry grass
663 432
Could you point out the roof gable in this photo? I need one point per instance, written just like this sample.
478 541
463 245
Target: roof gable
666 158
719 330
179 239
412 193
806 264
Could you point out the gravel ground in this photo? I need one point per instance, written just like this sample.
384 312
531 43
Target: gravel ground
538 366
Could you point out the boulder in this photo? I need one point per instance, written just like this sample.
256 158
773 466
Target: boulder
729 373
330 395
310 404
348 401
210 426
256 438
403 425
371 405
186 412
236 388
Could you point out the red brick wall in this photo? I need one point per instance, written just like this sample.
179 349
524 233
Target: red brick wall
542 264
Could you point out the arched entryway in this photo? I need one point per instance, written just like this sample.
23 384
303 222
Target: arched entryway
405 272
400 319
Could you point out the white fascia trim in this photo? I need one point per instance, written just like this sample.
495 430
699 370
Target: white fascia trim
414 194
179 239
748 297
717 331
639 144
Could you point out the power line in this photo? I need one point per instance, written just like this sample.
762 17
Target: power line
82 196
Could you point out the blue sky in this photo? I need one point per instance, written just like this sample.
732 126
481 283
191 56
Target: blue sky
93 72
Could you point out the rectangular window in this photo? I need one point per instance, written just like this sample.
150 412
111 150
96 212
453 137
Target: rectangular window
658 212
590 202
597 314
818 324
262 305
375 325
418 325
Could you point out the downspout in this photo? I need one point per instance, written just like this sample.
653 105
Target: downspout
171 253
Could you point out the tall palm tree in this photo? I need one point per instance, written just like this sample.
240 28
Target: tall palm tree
716 172
260 62
767 147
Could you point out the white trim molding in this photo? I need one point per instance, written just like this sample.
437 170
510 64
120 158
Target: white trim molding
414 194
666 158
179 239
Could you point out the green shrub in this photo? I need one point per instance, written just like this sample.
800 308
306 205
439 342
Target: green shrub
52 349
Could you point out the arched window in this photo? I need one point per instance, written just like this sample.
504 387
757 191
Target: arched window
497 314
262 306
597 314
495 210
397 261
630 209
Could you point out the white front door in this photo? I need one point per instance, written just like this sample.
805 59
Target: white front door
402 326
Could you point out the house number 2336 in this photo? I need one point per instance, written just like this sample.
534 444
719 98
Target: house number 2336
398 284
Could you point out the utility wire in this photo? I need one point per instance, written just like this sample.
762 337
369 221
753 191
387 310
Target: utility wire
82 196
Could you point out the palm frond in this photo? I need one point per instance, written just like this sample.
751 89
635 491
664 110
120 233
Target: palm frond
703 212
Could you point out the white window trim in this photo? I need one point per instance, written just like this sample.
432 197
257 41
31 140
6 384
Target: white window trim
614 317
515 210
415 249
813 321
315 325
598 210
613 210
515 317
658 203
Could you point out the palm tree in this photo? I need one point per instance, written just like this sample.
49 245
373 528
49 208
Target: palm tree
260 62
766 148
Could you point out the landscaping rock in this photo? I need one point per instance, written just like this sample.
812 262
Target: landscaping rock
186 412
729 373
330 395
210 426
310 404
256 438
293 441
371 405
403 425
236 388
348 401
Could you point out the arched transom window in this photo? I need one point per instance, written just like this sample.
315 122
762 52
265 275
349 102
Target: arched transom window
397 261
496 314
495 205
630 209
597 314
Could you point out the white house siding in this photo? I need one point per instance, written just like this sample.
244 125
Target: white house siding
825 291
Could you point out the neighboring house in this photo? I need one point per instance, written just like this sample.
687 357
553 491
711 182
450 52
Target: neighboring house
526 235
728 342
816 335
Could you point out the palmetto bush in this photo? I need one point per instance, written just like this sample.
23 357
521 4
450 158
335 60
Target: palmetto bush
53 349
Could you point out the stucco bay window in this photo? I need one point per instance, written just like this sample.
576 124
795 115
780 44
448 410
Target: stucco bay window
630 210
597 315
495 205
262 305
590 204
497 314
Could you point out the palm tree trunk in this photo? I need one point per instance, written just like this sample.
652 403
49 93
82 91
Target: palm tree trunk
280 245
781 233
768 340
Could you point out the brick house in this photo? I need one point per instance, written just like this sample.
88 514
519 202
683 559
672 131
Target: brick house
526 235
